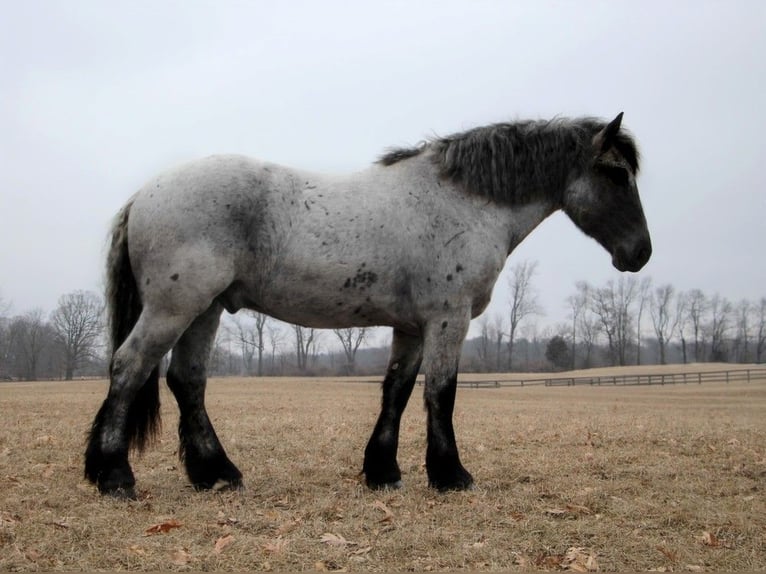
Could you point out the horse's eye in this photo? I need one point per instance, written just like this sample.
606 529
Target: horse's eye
616 174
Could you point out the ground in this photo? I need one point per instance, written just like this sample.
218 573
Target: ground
580 478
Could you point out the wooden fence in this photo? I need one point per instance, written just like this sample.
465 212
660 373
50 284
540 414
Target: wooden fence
697 377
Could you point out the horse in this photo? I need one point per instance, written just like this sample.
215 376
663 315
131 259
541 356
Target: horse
414 242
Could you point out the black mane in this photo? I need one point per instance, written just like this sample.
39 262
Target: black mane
513 162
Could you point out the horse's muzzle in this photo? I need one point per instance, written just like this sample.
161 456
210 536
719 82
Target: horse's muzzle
634 258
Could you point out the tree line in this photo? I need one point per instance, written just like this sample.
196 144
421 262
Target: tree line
626 321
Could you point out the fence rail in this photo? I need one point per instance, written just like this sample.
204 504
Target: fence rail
634 379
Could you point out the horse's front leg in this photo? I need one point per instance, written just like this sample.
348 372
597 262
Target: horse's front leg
442 343
380 467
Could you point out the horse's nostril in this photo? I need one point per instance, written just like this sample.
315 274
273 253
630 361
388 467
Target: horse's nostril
643 252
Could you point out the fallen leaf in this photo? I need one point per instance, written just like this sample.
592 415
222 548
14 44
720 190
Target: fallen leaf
137 550
549 561
181 557
222 543
276 546
388 516
710 539
288 527
335 540
579 560
667 552
361 551
163 527
577 509
556 512
521 560
61 523
328 566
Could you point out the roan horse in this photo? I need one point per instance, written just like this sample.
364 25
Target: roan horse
415 242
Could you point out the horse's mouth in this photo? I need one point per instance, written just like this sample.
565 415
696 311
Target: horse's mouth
632 260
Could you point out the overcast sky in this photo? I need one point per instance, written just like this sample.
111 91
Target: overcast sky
97 97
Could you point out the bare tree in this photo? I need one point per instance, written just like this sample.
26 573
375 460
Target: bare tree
351 339
741 349
77 325
644 294
248 332
276 338
483 348
720 316
498 331
589 331
760 337
305 345
697 305
577 306
30 336
523 301
660 310
5 339
611 304
682 320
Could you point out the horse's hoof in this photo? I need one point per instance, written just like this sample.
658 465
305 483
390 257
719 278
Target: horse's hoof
459 479
452 487
396 485
229 486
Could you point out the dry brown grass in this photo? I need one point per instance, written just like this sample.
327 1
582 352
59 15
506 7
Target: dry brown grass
630 478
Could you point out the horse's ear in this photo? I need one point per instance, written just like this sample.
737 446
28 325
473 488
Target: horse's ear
602 141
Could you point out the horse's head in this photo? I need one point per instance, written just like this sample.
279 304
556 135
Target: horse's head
602 198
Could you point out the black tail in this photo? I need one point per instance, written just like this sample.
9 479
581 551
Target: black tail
124 308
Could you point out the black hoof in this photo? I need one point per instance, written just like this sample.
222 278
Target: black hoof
233 486
111 474
457 478
382 476
216 474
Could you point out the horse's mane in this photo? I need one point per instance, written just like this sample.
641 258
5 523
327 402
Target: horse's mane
513 162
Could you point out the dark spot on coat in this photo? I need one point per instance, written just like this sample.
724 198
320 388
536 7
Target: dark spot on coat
362 280
357 310
444 324
148 281
446 305
458 268
449 277
174 277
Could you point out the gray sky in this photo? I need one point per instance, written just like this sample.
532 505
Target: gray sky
96 97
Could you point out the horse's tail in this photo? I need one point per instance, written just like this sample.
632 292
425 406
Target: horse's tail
124 307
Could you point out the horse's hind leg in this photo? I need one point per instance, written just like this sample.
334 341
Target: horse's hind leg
380 467
129 412
206 462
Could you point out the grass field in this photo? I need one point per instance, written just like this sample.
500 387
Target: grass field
635 478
